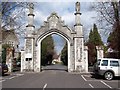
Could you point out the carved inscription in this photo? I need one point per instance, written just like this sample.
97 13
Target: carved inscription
79 50
28 46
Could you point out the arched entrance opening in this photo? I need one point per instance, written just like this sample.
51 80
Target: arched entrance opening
39 42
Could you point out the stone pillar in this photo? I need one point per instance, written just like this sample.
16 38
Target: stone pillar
0 51
30 27
29 52
0 37
86 58
37 62
9 59
22 60
79 55
100 52
71 68
29 40
78 42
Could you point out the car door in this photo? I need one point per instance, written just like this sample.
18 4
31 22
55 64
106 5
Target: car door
104 65
119 68
114 65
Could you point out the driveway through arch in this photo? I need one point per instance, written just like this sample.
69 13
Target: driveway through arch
42 37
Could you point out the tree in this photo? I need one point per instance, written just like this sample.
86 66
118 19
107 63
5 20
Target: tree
64 55
96 36
10 12
94 40
109 18
4 51
12 16
47 50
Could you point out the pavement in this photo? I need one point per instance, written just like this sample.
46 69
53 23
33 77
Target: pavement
54 77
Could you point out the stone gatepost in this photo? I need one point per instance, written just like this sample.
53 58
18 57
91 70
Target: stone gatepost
86 58
72 60
78 42
29 40
100 51
22 60
0 51
9 59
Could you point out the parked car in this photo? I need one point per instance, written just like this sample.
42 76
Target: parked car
3 68
107 67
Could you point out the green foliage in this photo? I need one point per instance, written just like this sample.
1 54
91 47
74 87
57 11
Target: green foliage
4 55
112 40
95 36
4 51
64 55
94 40
47 50
114 43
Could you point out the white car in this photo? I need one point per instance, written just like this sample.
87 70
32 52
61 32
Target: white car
107 67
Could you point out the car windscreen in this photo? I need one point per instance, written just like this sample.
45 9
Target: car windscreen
98 62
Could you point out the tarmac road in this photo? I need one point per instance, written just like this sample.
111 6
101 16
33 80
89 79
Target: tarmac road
55 78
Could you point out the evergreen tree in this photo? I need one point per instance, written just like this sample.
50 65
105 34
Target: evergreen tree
91 36
96 36
47 50
113 41
94 40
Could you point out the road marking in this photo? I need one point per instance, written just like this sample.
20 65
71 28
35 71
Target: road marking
93 80
106 84
83 77
12 77
87 75
91 86
19 74
112 81
45 86
2 80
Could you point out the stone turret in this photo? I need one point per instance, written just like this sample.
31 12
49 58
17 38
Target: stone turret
78 40
78 25
28 54
30 27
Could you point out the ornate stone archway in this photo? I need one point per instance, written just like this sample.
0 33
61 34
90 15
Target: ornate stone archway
77 54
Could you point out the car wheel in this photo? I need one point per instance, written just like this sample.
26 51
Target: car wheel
108 75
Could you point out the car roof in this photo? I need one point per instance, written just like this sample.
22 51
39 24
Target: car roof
109 59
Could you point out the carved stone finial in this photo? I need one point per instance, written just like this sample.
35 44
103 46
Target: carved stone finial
31 8
31 5
77 8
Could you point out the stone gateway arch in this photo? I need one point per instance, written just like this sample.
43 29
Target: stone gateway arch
77 52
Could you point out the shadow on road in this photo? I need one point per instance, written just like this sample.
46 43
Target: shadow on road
6 74
58 67
102 77
55 69
96 76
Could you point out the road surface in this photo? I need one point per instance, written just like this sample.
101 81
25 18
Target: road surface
55 77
